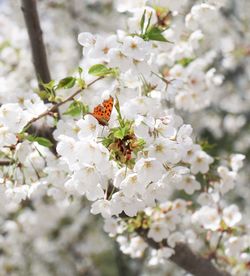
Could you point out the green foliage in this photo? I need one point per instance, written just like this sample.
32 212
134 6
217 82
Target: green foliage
43 95
155 33
80 81
120 133
122 142
120 119
50 85
49 92
66 83
40 140
76 108
185 61
100 70
50 88
142 22
151 32
206 146
140 221
80 70
160 9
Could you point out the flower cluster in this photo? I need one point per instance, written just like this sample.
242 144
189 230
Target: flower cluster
141 166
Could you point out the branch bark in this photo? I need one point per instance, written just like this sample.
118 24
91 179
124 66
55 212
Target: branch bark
185 258
195 264
39 57
6 162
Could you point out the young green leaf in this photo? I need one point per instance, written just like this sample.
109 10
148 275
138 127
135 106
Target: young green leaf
81 83
154 33
120 133
44 95
40 140
120 119
140 142
185 61
100 70
48 92
142 21
80 70
76 109
50 85
66 83
149 21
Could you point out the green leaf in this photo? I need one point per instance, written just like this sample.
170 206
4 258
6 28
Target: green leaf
149 21
206 146
106 141
100 70
44 95
81 83
155 33
142 21
66 83
49 91
80 70
185 61
120 133
76 109
40 140
140 142
120 119
50 85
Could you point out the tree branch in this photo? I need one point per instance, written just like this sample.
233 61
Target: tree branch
55 107
39 57
6 162
197 265
185 258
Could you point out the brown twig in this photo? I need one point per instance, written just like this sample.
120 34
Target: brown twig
6 162
39 57
55 107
